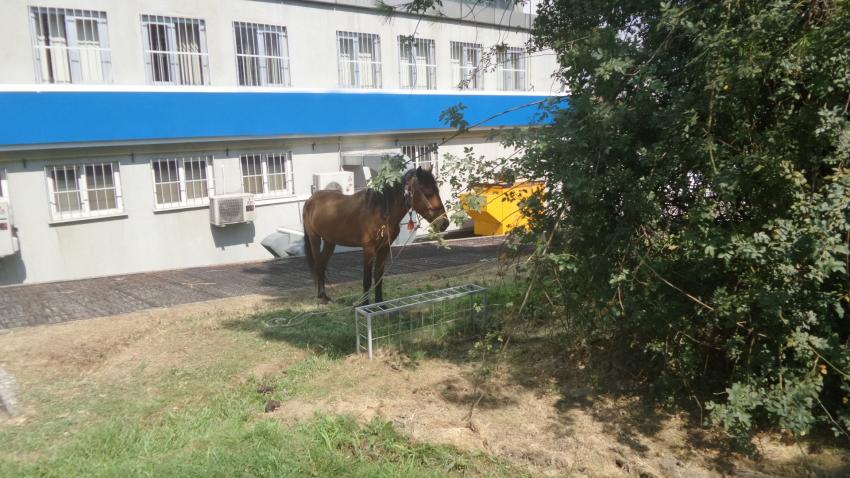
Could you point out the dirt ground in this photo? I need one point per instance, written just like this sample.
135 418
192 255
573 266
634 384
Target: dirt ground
547 429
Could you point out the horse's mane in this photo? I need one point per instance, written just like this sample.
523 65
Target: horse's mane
383 198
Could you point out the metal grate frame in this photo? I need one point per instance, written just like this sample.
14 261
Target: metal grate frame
512 70
70 45
182 182
267 174
262 54
83 190
359 59
417 63
466 58
402 318
175 50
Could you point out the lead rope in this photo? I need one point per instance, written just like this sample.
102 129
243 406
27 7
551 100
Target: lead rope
409 203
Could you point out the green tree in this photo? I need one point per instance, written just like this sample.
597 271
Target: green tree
698 197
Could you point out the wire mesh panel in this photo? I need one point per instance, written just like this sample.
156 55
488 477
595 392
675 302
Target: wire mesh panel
262 54
466 59
70 46
417 63
512 69
422 318
175 50
359 58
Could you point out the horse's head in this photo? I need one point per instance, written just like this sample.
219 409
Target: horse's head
425 198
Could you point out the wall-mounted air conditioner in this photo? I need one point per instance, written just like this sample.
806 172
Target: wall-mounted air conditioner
231 209
342 181
8 235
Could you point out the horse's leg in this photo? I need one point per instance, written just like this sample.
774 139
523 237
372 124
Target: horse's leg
322 266
368 263
315 261
380 260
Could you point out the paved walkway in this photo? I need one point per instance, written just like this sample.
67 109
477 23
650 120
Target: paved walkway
55 302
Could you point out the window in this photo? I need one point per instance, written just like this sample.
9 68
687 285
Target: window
84 190
417 64
267 174
4 186
511 69
262 54
365 165
70 46
466 58
421 155
182 182
359 56
175 50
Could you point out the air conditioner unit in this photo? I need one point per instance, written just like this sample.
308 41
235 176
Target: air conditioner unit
342 181
8 235
231 209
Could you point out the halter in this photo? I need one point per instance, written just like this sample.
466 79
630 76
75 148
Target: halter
408 201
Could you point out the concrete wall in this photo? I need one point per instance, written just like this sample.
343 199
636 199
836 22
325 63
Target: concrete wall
144 239
311 27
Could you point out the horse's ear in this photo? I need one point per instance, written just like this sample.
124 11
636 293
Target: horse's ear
418 172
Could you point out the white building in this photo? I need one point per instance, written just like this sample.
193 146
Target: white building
120 119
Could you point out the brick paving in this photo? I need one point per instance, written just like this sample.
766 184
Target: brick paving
55 302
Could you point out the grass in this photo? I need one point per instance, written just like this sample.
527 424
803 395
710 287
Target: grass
198 416
216 430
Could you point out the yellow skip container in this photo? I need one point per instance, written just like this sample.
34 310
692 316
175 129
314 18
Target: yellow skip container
500 211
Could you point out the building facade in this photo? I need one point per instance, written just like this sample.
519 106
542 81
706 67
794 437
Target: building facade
120 120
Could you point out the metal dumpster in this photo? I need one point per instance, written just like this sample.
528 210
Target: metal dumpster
500 212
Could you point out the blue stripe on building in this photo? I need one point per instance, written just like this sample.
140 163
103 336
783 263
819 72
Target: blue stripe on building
44 118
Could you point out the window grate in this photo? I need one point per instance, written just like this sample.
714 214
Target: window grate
262 54
512 69
417 63
359 60
84 190
175 50
70 46
182 182
422 155
466 59
267 174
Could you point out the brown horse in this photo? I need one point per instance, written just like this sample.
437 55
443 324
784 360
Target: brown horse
368 219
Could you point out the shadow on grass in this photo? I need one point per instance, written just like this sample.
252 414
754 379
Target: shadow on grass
324 332
595 378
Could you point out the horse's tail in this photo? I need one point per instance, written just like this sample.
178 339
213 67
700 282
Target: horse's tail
308 252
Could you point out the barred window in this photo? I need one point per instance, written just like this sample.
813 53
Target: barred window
70 46
182 182
512 69
175 50
422 155
84 190
359 59
262 54
267 174
465 60
417 63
